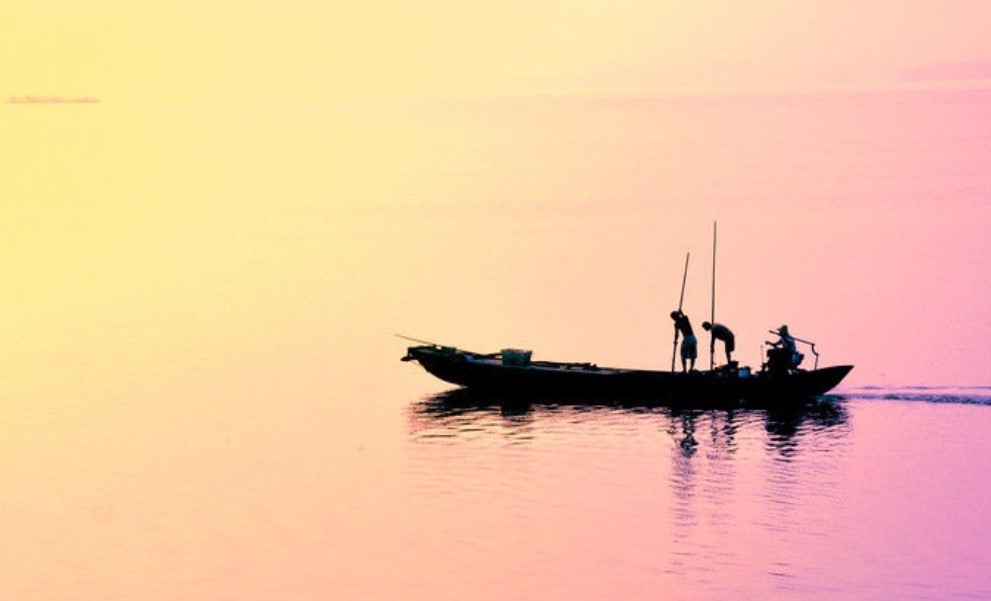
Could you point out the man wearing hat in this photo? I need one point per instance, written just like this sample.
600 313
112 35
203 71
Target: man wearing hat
785 348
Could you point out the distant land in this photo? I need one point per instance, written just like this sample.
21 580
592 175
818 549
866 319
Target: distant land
949 71
51 100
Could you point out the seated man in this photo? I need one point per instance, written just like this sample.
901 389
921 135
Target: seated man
783 355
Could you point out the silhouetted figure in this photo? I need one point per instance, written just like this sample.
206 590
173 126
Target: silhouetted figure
721 332
783 356
689 346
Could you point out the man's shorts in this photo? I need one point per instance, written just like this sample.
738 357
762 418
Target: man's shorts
730 344
689 348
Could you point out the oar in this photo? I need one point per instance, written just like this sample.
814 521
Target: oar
681 301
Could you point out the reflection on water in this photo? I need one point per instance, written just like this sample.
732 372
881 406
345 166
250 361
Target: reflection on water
459 414
464 414
712 499
846 498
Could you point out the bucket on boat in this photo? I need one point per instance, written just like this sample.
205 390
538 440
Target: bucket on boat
515 357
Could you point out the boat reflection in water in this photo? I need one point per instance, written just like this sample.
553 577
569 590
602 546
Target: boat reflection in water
468 414
670 498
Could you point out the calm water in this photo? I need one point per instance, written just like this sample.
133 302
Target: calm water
852 499
202 398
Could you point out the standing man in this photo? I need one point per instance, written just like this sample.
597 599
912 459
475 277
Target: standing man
689 346
721 332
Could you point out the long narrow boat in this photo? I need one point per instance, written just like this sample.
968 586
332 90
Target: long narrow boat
512 373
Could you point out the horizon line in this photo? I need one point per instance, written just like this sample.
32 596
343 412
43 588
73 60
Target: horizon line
31 99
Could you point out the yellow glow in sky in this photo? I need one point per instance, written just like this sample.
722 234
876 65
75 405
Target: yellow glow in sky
314 50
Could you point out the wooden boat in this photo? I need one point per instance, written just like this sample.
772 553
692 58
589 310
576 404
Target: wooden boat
511 372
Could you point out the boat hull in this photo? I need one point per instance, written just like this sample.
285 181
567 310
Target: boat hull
488 373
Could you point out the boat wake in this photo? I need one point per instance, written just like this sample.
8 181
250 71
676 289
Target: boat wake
963 395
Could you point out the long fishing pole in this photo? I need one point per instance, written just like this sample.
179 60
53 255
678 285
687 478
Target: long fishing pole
681 301
712 315
437 344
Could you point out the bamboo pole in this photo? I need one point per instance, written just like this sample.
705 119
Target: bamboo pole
712 314
681 301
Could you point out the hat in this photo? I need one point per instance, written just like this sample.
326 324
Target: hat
783 329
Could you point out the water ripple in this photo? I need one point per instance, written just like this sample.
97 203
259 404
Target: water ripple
965 395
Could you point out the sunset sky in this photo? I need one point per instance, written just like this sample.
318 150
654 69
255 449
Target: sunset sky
212 50
227 197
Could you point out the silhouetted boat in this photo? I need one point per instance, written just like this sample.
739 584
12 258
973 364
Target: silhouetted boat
511 372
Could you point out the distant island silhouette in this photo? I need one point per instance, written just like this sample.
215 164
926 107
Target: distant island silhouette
51 100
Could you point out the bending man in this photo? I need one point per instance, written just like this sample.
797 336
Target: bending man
721 332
